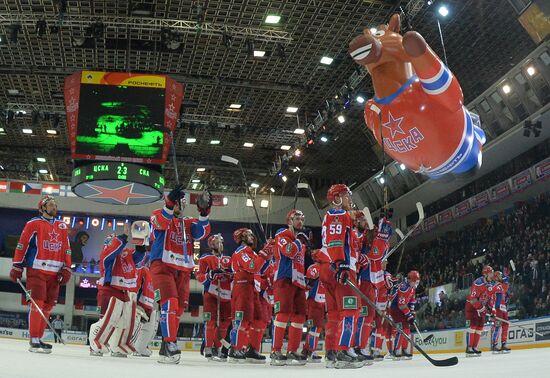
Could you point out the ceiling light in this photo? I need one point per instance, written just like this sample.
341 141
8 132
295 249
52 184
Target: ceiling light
284 178
264 204
27 131
196 181
235 106
360 99
225 201
201 169
272 190
43 171
249 202
2 130
373 30
285 147
254 185
272 19
402 166
259 53
298 152
248 144
291 109
191 140
506 88
51 131
382 180
326 60
341 118
13 92
299 131
324 139
41 159
443 10
531 70
214 141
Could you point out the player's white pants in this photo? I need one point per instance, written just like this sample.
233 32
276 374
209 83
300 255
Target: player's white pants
121 341
101 331
144 333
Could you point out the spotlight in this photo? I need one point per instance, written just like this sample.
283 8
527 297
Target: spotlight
382 180
373 30
326 60
284 178
254 185
299 131
531 70
341 118
443 11
506 89
324 139
272 19
272 190
402 166
360 99
191 140
298 152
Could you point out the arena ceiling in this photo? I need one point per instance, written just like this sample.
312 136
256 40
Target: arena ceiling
206 45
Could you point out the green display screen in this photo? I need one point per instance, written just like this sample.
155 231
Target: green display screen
119 171
120 121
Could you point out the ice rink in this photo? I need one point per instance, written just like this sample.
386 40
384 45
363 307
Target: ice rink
74 361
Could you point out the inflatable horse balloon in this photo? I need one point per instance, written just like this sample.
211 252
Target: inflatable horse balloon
417 111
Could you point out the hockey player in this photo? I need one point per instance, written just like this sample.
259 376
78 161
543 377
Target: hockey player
147 315
500 301
263 286
336 262
215 276
384 330
172 262
476 309
289 289
402 313
247 311
116 297
44 250
315 313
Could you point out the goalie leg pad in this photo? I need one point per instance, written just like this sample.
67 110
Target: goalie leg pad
144 334
101 331
121 342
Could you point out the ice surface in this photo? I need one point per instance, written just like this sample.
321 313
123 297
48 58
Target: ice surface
73 361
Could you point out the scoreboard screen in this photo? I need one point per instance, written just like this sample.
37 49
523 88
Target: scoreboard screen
121 116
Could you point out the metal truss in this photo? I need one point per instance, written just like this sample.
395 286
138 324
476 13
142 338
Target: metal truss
150 24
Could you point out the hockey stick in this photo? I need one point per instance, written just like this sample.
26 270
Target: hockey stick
441 363
368 217
517 325
424 340
28 296
420 210
304 185
231 160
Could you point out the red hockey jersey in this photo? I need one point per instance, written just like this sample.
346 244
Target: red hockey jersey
146 291
336 236
221 286
245 263
173 244
480 293
289 258
116 264
44 245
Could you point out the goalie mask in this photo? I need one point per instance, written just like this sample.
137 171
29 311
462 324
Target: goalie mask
140 232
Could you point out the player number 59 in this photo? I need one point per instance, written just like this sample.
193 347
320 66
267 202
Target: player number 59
335 228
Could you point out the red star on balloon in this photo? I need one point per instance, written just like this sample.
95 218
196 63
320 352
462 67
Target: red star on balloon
122 194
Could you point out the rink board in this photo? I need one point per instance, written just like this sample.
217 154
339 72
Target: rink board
444 341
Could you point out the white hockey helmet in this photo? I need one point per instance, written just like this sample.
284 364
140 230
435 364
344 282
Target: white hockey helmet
140 232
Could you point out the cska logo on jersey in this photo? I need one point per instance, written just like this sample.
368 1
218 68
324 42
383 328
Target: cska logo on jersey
52 245
176 237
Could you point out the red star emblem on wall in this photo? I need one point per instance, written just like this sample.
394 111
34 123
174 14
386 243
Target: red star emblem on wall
122 194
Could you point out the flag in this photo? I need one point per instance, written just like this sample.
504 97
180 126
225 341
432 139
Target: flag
51 189
65 191
32 188
3 186
16 186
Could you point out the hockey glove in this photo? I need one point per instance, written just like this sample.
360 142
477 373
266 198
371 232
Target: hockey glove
342 273
267 251
363 260
481 311
63 276
143 314
16 272
215 274
204 203
174 196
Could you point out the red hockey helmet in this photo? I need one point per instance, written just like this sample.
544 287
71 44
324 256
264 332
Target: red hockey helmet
413 276
487 270
313 271
238 234
497 276
44 201
337 190
214 240
293 213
